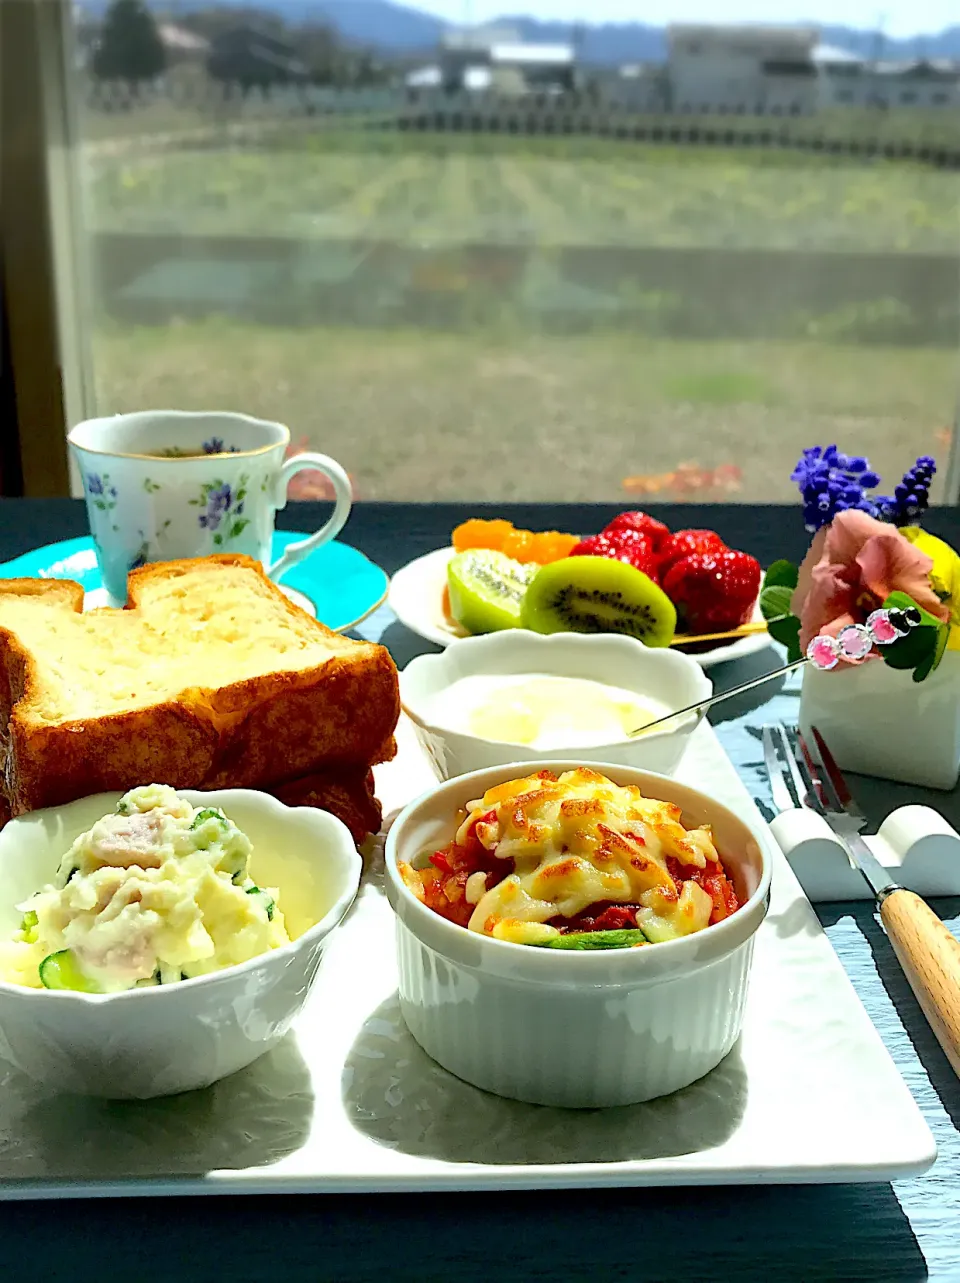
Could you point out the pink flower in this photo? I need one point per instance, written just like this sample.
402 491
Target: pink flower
852 566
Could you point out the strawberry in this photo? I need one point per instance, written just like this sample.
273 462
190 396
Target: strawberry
640 522
654 530
684 542
622 545
713 591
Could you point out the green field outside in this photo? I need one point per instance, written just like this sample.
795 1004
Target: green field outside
420 415
622 195
510 410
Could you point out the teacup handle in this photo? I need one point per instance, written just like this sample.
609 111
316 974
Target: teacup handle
343 493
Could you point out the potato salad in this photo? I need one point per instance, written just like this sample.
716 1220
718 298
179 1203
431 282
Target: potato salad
154 893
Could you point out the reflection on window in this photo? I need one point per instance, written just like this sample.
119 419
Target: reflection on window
523 260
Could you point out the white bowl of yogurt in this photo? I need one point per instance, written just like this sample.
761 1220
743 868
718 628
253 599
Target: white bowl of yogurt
145 953
519 696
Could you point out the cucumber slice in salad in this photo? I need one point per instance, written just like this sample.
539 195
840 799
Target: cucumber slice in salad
62 971
266 900
208 813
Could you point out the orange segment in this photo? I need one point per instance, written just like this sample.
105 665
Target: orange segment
519 545
551 545
522 545
478 533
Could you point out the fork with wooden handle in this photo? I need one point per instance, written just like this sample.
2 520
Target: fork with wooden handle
930 958
925 948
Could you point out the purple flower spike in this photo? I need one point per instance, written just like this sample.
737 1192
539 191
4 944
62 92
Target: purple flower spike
831 482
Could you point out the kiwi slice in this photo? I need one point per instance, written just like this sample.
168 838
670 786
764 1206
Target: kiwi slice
486 589
598 595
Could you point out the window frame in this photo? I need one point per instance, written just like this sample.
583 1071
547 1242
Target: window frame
46 271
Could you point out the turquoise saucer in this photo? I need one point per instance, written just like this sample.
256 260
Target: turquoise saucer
342 585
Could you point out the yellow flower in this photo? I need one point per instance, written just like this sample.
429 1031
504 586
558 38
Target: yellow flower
944 577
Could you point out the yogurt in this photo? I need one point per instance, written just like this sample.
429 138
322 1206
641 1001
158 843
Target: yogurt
541 710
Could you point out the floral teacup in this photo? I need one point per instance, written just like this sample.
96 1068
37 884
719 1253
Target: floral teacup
166 484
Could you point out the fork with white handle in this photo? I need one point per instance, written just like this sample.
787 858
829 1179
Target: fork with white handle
925 948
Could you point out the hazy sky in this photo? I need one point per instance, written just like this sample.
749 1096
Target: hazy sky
899 19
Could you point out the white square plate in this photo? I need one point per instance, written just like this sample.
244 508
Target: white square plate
350 1103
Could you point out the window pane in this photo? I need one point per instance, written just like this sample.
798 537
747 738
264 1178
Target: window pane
527 261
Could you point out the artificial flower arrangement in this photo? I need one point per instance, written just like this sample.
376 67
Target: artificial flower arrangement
873 583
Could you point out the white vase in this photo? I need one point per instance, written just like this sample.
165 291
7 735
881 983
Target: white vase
878 721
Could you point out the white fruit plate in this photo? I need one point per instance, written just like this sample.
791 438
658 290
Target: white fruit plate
416 598
349 1102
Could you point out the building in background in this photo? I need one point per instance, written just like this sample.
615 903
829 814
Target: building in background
779 71
519 68
495 58
847 80
742 70
181 44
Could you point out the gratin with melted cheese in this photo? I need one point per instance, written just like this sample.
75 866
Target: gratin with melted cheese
575 861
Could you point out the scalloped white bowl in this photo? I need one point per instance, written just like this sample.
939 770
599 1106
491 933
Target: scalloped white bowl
581 1030
666 675
175 1038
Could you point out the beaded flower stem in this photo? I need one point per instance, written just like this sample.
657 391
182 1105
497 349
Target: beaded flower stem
855 642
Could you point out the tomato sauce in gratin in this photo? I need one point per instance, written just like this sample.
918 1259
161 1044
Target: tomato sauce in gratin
545 857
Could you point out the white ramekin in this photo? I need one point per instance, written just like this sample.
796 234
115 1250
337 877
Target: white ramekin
674 679
172 1038
581 1030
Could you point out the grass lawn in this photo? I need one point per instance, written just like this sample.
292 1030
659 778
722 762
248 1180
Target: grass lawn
427 415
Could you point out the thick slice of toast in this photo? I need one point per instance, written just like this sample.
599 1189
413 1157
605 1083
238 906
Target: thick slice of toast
210 678
349 795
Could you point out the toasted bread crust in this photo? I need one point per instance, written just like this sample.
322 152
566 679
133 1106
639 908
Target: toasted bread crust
347 795
343 715
340 713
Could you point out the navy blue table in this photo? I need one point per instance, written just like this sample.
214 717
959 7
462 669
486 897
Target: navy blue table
910 1230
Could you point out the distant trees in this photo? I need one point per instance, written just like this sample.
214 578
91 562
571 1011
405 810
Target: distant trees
255 56
254 59
322 53
129 47
359 67
249 47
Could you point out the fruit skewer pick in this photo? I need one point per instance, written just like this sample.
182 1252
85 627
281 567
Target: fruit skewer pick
702 705
744 630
